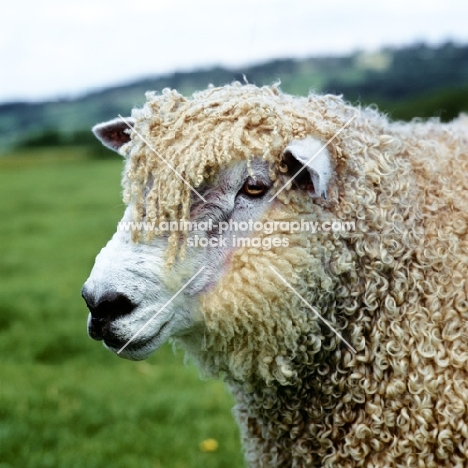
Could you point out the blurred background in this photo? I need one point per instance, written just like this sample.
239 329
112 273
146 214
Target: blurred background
65 401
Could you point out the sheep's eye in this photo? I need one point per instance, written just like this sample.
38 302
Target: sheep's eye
253 188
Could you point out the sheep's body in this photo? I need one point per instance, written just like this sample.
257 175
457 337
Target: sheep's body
396 288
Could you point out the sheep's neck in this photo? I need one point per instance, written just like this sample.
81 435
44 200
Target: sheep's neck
294 422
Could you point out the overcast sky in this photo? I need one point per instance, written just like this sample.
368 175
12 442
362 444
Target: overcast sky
51 48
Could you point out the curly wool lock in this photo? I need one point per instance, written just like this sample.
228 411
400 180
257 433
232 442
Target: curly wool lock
396 288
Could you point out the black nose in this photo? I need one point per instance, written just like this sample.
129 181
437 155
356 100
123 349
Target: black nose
108 306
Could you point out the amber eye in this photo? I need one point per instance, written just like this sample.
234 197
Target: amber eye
253 188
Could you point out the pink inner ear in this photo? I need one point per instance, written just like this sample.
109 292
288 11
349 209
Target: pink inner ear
119 136
115 133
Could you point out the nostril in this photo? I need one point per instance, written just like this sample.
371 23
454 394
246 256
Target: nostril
115 304
108 306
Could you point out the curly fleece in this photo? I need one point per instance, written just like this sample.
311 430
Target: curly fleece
396 288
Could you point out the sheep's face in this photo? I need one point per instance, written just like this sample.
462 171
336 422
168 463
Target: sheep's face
229 290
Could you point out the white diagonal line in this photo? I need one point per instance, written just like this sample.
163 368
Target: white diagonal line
160 310
326 322
313 157
129 125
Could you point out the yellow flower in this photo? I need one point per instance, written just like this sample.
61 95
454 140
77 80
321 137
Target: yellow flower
209 445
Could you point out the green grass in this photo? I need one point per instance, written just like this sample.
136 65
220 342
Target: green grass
65 401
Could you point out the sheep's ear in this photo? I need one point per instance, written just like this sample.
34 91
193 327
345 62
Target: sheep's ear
114 133
308 165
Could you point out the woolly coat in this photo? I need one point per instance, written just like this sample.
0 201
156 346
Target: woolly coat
396 288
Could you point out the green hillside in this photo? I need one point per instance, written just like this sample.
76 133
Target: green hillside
415 81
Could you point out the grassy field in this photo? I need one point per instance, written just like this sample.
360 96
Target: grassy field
65 401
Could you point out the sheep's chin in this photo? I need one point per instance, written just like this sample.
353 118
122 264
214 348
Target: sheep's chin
137 348
138 351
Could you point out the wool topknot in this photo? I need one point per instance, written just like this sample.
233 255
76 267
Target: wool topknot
187 140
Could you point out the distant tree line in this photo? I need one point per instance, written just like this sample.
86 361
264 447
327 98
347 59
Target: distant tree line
414 81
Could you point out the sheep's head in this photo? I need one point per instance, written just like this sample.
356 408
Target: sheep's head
228 159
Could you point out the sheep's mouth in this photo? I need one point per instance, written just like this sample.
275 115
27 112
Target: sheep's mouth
136 348
98 328
124 348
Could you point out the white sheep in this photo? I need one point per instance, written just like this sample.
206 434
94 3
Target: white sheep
343 347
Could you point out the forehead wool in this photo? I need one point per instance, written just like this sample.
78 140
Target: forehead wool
190 139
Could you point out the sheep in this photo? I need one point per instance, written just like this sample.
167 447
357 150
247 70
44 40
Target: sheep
342 347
